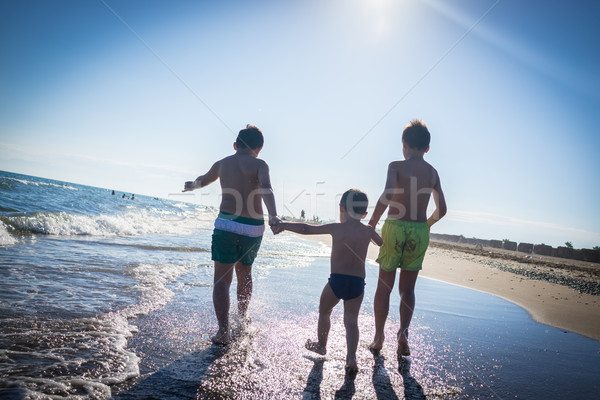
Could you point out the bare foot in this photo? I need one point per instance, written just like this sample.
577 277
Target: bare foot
403 348
316 347
377 344
351 366
222 337
351 369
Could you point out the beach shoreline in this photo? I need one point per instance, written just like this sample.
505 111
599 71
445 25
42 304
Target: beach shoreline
555 292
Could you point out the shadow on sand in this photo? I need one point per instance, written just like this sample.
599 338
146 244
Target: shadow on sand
412 388
315 377
381 379
179 380
312 391
383 386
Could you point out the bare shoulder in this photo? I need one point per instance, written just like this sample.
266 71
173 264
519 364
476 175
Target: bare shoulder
357 229
433 171
227 159
396 165
261 163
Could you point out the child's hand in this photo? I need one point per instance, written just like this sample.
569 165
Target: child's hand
274 220
188 186
277 228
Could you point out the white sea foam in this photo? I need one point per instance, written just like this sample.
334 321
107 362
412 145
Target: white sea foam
153 279
86 356
26 182
132 222
6 239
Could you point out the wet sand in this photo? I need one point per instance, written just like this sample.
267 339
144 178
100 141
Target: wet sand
528 281
465 344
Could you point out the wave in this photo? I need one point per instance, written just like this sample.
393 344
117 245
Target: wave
83 357
131 223
153 247
5 238
6 181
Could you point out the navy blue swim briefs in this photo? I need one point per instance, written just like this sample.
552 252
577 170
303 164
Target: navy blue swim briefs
346 287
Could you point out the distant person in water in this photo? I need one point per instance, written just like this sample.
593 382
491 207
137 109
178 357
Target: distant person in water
245 184
350 241
113 192
133 197
409 186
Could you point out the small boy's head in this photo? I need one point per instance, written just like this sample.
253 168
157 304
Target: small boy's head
355 202
416 135
250 138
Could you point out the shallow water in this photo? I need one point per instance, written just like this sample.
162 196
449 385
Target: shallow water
465 344
103 296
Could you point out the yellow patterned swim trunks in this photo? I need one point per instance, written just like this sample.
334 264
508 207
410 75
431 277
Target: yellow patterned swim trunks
404 245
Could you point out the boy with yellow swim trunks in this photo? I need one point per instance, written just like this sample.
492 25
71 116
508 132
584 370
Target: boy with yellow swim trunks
245 184
408 188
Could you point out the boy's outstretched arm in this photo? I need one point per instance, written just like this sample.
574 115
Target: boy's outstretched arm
385 198
266 191
302 228
440 203
203 180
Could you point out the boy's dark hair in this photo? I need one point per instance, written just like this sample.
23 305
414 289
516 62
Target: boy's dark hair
250 138
355 202
416 135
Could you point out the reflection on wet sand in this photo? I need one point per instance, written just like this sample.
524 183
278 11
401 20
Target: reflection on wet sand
267 360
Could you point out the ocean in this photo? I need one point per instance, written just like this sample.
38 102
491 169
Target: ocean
108 296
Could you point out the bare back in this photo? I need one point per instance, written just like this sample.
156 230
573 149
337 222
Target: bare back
240 181
350 242
410 184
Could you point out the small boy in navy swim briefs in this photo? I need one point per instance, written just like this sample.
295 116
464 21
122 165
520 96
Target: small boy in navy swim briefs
409 186
245 184
350 241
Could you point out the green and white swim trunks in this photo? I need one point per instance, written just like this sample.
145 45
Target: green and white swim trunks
236 239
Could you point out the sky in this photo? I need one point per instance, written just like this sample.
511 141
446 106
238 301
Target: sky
140 96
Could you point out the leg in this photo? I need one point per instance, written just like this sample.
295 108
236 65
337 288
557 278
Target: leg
243 274
381 305
222 282
326 304
351 310
406 287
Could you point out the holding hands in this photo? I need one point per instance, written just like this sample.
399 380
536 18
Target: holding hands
278 228
275 224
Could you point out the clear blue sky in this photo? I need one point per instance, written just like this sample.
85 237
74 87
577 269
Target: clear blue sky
140 96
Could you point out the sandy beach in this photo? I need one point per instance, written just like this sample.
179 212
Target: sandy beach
538 284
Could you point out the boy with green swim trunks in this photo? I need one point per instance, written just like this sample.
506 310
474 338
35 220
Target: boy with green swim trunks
245 184
350 241
409 186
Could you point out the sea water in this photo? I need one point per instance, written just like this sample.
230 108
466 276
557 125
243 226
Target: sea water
103 296
78 265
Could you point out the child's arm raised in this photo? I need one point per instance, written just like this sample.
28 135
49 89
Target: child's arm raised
203 180
440 203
